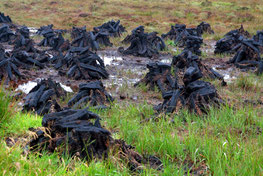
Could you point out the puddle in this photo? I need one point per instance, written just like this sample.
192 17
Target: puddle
178 50
27 87
117 81
167 61
8 50
209 47
227 73
50 55
32 31
110 60
66 88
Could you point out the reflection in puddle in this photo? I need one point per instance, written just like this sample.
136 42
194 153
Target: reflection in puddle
27 87
8 50
50 55
209 47
227 73
32 31
110 60
116 81
167 61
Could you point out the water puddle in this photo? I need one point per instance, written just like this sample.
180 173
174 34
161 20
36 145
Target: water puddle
228 73
167 61
8 50
50 55
117 81
32 31
209 47
111 60
27 87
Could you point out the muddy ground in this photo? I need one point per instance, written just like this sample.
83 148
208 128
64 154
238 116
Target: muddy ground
124 72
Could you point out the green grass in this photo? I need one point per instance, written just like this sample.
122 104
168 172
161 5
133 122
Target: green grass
227 141
247 83
4 106
20 122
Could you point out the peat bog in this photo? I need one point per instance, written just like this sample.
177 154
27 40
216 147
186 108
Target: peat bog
115 98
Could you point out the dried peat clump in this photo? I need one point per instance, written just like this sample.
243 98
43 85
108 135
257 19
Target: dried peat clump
92 39
259 38
248 54
41 98
52 38
72 132
177 30
48 27
26 60
143 44
159 75
204 27
187 59
230 41
8 68
82 64
197 96
114 28
24 31
92 93
48 33
5 19
6 34
193 43
188 38
23 42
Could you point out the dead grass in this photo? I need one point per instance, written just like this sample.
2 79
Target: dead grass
155 15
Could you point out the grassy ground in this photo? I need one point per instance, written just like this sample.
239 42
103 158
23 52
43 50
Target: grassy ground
228 141
157 15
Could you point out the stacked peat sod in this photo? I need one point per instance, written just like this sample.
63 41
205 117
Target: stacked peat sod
247 55
23 42
42 98
175 30
196 95
143 44
92 93
114 28
6 34
5 19
8 67
73 132
52 38
247 51
91 39
188 38
188 59
230 40
259 38
159 75
204 27
185 89
81 63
